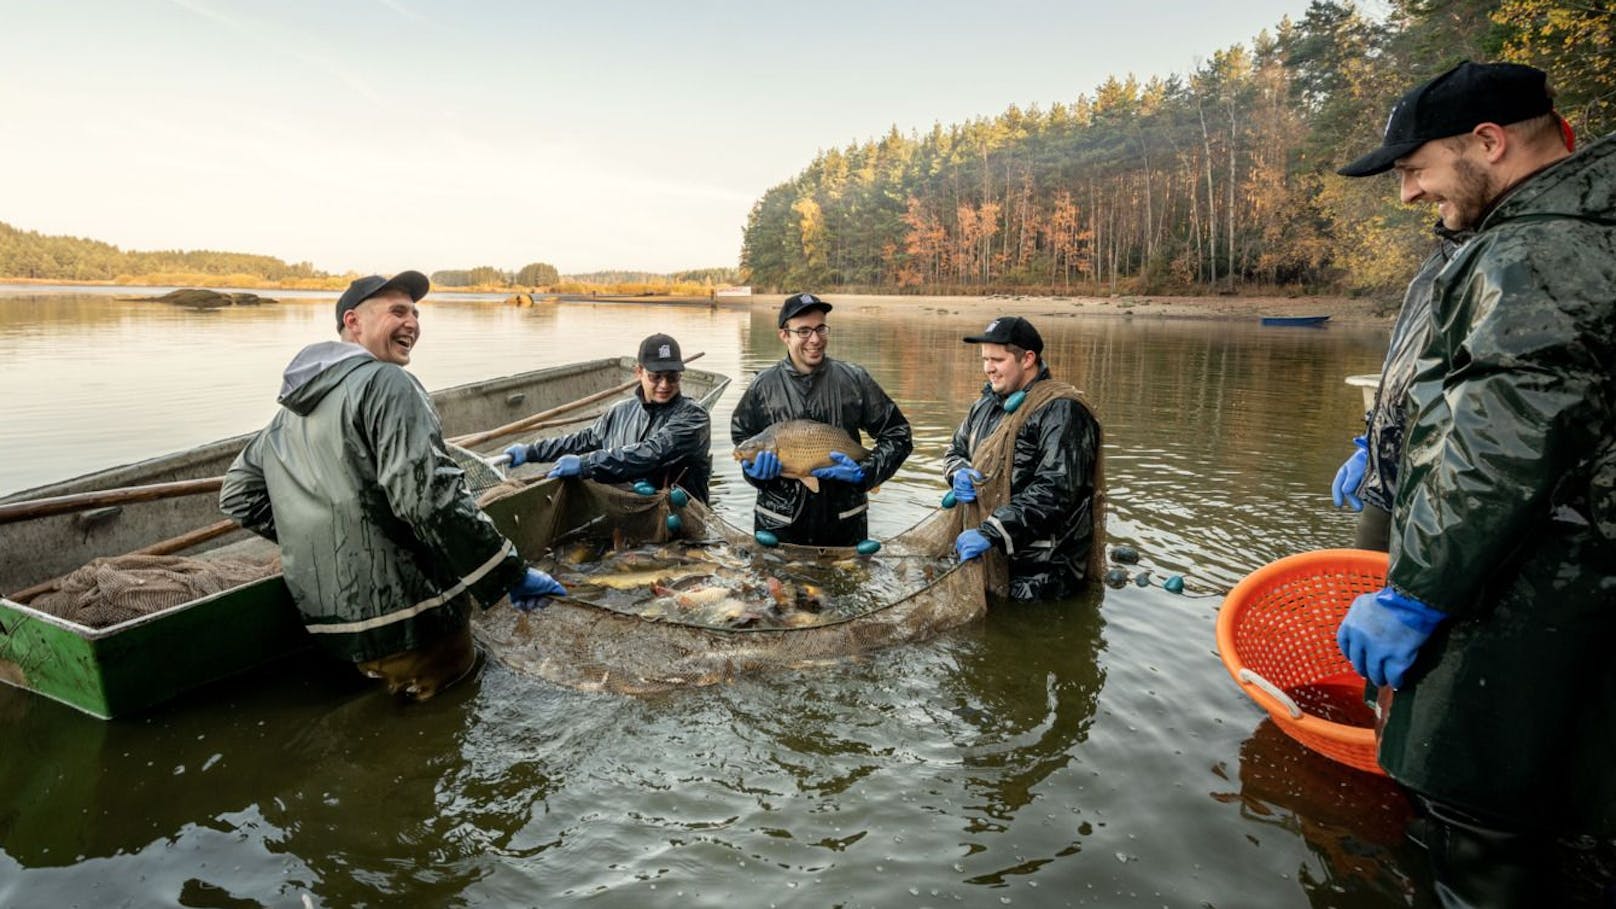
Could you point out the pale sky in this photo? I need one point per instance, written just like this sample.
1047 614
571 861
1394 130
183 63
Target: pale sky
378 135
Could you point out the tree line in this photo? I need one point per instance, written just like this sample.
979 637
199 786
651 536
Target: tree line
1217 180
35 256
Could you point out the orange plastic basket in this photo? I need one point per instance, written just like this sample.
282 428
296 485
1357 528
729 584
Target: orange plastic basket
1276 635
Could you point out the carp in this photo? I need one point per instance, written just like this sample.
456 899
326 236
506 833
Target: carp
801 446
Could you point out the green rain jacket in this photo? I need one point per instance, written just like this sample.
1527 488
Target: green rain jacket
381 541
1505 515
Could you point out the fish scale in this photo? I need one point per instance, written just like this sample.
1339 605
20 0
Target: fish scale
801 446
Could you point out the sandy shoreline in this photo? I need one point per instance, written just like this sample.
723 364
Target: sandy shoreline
1342 310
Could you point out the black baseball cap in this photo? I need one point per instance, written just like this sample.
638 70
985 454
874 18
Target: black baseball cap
797 304
660 353
411 282
1010 330
1454 103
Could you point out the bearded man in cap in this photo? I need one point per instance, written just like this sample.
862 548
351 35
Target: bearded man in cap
1495 626
382 545
808 385
1024 468
659 435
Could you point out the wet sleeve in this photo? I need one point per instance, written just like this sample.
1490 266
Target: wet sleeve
426 489
958 456
748 420
1067 441
543 451
890 429
1502 419
244 497
687 432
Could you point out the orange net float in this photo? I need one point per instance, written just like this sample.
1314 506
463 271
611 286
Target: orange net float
1277 637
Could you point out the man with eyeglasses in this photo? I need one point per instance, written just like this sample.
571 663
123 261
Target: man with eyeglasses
659 435
808 385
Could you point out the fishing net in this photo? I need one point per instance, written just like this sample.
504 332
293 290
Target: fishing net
112 590
593 645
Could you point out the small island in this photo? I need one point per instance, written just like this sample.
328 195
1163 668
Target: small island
200 298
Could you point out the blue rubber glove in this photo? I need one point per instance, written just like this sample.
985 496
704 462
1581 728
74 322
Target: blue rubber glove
518 454
1383 632
567 466
1350 477
766 466
534 589
965 480
845 469
971 544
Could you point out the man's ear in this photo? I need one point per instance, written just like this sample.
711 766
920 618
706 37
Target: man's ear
1493 139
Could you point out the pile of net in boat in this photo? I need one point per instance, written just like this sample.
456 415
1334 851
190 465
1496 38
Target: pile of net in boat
107 591
651 609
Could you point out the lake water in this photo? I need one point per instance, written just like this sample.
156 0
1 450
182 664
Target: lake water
1084 753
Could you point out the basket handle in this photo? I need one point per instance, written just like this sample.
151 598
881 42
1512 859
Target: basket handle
1251 678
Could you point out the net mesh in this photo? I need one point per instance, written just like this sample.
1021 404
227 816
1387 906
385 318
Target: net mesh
592 646
107 591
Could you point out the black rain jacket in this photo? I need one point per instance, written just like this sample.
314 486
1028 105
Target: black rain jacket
664 444
840 394
1047 527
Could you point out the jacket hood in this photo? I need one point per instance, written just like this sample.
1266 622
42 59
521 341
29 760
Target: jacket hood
1581 186
316 370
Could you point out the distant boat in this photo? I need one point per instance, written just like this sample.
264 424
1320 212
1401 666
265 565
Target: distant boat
1313 321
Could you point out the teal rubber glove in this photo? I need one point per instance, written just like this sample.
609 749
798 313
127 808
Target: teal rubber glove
766 466
518 454
965 480
845 469
567 466
534 591
1347 480
971 544
1383 632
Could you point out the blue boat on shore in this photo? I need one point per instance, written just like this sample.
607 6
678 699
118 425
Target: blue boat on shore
1295 321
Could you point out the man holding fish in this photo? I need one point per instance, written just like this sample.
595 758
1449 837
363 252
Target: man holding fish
659 435
797 431
1025 467
382 545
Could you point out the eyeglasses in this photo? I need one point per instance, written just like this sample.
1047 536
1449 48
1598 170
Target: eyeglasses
804 333
664 378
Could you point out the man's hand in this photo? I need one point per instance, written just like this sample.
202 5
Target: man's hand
1350 477
1383 632
766 466
965 480
534 590
845 469
971 544
517 454
567 466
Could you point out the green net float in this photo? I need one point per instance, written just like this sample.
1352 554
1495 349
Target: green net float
675 523
1014 401
1142 579
948 499
1174 584
644 488
1126 555
868 547
1116 578
679 498
766 538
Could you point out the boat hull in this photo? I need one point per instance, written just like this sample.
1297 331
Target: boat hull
1295 321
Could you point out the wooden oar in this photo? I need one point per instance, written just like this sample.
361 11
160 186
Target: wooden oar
81 501
532 421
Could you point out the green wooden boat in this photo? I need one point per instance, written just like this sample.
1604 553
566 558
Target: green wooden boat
130 666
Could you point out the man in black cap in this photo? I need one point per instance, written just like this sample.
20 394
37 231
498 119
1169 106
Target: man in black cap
808 385
382 545
1496 622
1024 467
659 435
